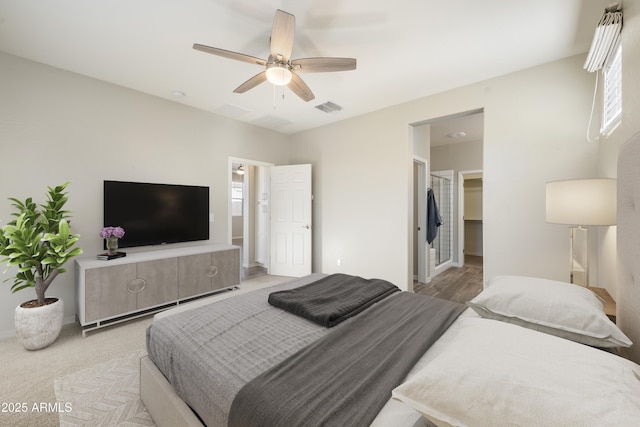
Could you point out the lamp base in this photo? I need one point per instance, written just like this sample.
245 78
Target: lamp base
579 255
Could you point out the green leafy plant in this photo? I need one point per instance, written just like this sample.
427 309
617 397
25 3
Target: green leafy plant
38 242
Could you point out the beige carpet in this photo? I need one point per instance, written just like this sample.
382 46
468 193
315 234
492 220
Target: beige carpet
104 395
27 377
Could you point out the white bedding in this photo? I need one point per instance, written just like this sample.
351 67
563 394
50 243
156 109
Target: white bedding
499 374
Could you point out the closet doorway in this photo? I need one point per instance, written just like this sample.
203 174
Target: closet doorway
470 238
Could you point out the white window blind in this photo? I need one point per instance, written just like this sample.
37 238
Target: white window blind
612 92
605 40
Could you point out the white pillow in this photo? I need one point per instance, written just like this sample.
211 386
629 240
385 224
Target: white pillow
497 374
557 308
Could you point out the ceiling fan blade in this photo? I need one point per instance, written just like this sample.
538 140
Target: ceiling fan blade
282 35
321 65
229 54
252 82
300 88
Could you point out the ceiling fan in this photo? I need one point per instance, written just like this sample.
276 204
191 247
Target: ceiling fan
280 69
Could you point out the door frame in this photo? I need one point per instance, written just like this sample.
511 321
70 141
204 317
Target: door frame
421 234
250 212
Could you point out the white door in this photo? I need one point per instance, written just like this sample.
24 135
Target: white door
290 220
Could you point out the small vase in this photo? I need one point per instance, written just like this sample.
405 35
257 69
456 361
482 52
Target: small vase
112 245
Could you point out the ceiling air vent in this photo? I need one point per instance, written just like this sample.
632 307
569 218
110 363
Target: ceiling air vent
329 107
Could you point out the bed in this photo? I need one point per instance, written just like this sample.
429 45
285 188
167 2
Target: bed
514 357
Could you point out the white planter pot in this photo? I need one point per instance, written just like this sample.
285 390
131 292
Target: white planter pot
38 327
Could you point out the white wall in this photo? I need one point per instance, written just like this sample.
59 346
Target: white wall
462 156
359 196
535 121
56 126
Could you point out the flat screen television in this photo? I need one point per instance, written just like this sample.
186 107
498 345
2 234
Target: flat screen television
154 214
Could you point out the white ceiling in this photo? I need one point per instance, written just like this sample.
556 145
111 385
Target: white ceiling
447 131
405 49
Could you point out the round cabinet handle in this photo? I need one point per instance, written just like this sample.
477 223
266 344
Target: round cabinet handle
136 285
212 271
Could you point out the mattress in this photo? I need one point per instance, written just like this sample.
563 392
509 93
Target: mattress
226 368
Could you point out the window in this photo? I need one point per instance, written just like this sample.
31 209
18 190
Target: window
612 93
236 198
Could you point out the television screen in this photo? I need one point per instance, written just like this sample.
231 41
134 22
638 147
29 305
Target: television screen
153 214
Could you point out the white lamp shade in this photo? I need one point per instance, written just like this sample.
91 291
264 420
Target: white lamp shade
582 202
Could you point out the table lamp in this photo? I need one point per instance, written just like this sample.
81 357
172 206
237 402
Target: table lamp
580 203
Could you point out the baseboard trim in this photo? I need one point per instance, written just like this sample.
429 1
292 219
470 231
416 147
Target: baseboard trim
473 253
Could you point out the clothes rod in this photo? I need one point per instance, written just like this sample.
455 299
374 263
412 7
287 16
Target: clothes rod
616 7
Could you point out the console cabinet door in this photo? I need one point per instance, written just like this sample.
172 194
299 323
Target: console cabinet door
227 266
158 280
194 275
106 292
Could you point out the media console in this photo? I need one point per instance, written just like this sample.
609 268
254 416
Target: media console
109 292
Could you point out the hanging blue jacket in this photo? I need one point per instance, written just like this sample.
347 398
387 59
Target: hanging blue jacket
433 217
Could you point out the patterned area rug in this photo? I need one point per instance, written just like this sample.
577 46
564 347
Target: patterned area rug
107 394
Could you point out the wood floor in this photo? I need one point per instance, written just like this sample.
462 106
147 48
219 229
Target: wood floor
459 284
247 272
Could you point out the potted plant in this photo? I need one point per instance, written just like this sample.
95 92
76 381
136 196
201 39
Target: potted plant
37 244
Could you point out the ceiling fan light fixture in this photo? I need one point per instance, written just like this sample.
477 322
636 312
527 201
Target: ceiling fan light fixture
281 70
279 74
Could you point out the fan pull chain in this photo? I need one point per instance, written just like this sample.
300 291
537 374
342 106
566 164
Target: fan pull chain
274 96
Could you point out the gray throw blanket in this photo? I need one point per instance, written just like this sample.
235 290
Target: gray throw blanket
332 299
346 377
